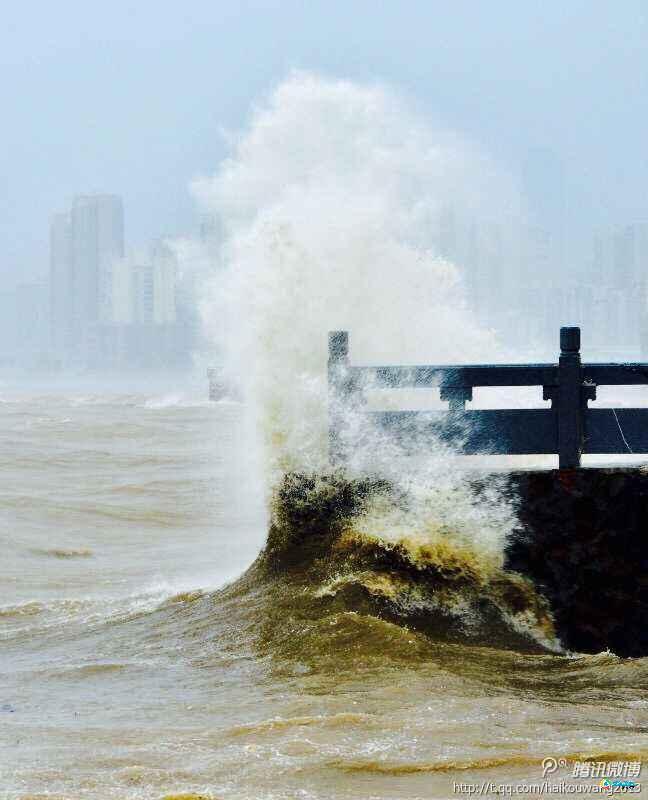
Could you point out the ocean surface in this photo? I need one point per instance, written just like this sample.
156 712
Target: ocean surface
146 652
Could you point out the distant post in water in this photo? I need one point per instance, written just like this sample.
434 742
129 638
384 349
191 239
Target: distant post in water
214 389
338 392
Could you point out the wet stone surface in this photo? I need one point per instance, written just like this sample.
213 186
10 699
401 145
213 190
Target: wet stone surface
582 538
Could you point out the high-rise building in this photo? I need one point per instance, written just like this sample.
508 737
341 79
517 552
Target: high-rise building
165 266
108 310
31 307
60 285
97 242
23 325
602 264
123 302
143 294
631 256
545 186
84 246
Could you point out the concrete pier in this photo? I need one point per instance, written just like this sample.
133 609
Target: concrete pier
582 538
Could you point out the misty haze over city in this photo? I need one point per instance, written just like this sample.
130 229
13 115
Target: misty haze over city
116 112
323 399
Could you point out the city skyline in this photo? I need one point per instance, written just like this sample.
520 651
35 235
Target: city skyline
108 308
127 300
146 127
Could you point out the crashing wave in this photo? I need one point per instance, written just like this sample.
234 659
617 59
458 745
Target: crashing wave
333 571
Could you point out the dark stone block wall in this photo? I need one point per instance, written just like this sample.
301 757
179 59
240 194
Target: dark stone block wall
583 539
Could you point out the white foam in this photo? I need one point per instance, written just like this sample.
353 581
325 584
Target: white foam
330 202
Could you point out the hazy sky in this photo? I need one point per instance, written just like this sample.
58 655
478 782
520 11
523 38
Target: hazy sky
131 97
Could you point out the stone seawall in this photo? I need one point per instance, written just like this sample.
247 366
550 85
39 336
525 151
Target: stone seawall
583 540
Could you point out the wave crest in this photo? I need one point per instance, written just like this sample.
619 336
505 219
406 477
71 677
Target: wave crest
333 566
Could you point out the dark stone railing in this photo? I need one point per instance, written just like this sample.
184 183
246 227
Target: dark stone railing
568 428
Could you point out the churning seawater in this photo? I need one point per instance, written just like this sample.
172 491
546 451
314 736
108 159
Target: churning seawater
139 658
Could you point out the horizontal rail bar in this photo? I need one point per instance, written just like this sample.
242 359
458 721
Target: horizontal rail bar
616 430
471 375
498 375
569 428
616 374
496 432
518 431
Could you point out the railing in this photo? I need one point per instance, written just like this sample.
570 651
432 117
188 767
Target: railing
568 428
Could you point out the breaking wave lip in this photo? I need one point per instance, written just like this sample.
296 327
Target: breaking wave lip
103 400
407 768
227 401
63 552
74 671
28 609
340 719
175 400
330 575
65 616
49 421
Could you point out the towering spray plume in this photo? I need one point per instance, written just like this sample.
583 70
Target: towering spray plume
330 203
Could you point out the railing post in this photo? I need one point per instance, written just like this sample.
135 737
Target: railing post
338 393
456 396
570 404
